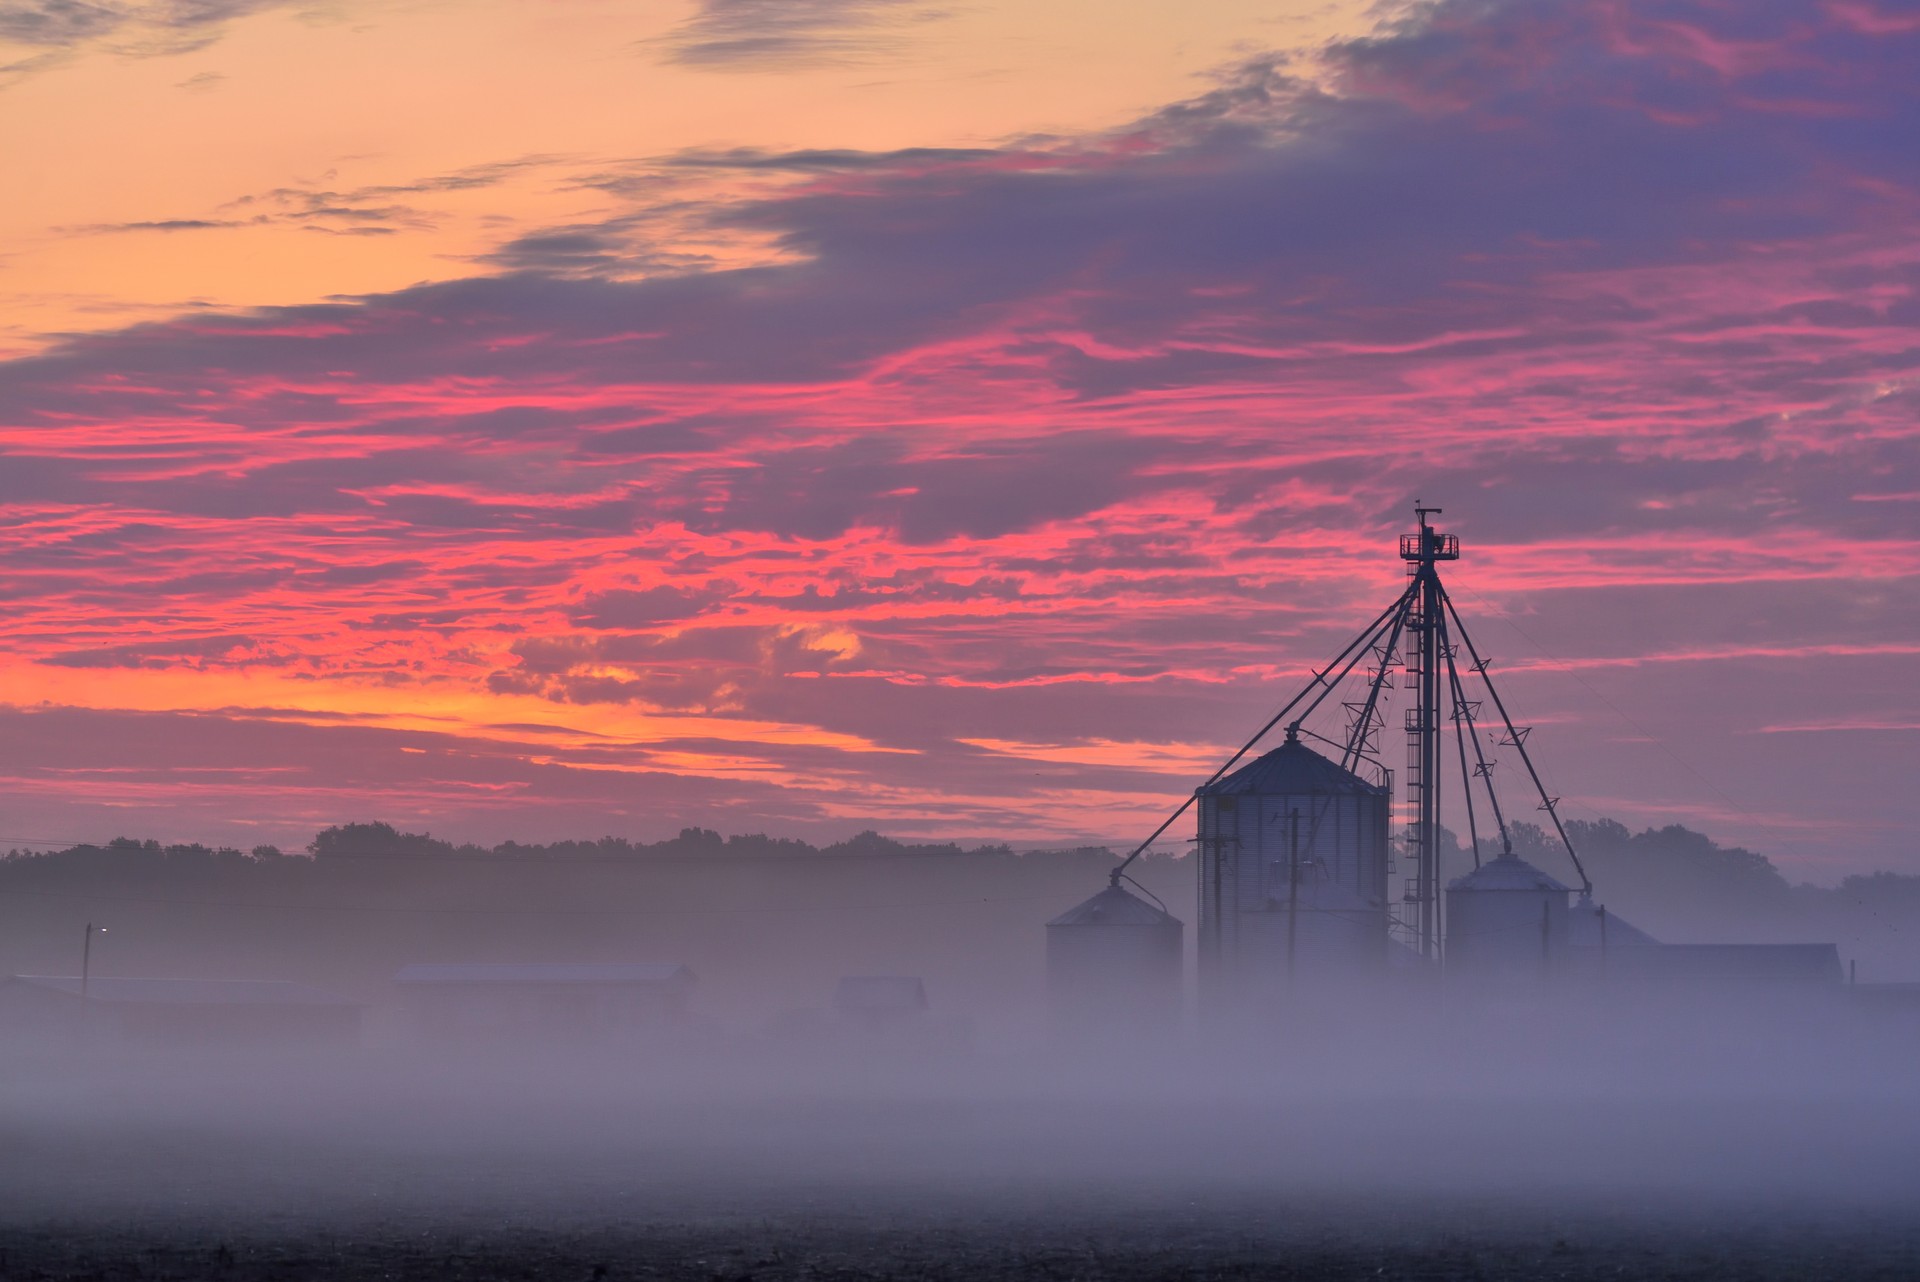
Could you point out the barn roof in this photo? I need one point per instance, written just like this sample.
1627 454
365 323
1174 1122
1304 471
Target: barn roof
126 990
1291 768
642 973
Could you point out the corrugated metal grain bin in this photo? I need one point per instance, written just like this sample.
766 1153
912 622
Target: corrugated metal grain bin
1293 873
1114 966
1506 918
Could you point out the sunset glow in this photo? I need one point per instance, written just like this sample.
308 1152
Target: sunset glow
545 420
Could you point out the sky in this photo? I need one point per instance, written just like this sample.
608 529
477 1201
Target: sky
556 418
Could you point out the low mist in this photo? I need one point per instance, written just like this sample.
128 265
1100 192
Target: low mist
847 1060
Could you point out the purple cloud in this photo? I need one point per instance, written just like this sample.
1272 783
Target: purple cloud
1090 439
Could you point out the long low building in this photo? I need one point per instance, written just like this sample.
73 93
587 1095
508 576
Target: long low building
565 1001
180 1012
1508 920
1763 964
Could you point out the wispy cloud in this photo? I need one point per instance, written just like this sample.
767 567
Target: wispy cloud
158 224
379 209
758 33
1043 443
55 31
1848 725
57 23
136 26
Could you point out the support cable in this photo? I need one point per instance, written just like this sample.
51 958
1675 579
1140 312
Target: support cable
1350 755
1460 738
1547 803
1335 744
1398 610
1371 631
1484 768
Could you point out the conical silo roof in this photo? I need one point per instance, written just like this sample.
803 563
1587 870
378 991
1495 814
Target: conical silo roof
1291 768
1114 906
1508 872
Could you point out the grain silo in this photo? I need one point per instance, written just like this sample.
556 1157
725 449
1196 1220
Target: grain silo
1114 966
1294 848
1506 917
1293 872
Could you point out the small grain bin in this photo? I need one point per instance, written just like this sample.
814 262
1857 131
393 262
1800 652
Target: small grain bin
1114 966
1293 874
1506 918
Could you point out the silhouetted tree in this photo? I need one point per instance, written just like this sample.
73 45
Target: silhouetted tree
373 841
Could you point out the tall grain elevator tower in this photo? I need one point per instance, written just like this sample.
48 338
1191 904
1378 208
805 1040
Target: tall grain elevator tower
1425 628
1300 872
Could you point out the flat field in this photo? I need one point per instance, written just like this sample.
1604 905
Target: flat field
981 1172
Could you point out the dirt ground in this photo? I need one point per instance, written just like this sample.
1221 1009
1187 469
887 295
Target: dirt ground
801 1243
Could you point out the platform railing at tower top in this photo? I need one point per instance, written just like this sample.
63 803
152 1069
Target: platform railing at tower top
1442 547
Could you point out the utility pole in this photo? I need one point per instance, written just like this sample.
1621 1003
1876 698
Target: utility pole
1293 884
86 958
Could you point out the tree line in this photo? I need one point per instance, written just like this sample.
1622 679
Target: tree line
367 895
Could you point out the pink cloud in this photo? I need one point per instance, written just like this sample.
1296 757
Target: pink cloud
1053 443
